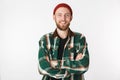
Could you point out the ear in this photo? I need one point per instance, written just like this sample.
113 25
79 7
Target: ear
71 18
53 17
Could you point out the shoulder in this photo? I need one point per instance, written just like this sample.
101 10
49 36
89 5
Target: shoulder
79 35
79 38
45 36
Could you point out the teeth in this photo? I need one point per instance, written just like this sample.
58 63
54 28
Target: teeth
63 22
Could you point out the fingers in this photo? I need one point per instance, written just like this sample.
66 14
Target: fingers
53 63
79 56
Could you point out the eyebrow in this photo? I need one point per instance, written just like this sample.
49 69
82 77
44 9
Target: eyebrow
61 13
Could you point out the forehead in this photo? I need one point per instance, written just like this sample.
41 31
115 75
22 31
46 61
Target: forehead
62 10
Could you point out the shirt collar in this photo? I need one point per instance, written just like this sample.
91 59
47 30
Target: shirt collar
70 33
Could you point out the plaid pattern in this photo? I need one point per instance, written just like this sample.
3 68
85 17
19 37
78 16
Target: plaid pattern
68 68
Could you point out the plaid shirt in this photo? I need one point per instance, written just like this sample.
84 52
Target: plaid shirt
68 68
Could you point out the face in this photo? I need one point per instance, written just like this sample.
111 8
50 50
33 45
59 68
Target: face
62 18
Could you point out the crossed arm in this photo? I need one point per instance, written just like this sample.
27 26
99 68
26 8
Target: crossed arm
48 67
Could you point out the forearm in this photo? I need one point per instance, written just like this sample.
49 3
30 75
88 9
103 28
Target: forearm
77 65
47 68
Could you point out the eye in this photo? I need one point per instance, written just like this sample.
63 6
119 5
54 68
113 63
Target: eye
67 15
59 15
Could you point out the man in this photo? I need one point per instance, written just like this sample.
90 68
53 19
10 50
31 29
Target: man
63 54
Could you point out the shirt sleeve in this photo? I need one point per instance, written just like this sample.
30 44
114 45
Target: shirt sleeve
44 66
78 66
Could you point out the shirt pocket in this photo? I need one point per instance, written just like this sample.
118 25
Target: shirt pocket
73 53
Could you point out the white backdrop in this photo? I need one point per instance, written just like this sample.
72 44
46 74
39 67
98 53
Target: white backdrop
23 22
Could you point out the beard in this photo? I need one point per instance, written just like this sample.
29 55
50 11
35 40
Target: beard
63 27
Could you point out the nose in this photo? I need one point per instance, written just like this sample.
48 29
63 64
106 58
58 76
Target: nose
63 17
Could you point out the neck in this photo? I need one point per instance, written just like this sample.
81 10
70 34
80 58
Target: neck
62 33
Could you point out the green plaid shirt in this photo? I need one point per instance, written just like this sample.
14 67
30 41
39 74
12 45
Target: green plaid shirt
68 68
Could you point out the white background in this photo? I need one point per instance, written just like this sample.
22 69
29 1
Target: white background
23 22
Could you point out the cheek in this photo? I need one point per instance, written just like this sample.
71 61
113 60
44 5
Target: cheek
68 20
56 19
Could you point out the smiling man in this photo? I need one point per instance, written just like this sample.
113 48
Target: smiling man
63 54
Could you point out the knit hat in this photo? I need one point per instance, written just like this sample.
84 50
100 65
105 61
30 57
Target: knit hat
63 5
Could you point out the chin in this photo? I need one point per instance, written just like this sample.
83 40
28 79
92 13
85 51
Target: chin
63 29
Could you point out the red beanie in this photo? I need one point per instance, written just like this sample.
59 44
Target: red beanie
63 5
